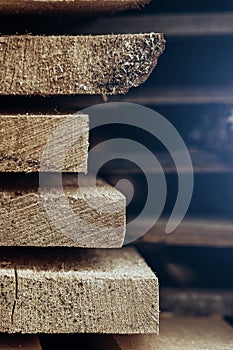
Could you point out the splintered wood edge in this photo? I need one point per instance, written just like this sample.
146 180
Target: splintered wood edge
24 139
19 341
178 333
77 291
82 7
106 64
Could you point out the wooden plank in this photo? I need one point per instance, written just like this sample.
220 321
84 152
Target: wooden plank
196 301
178 333
24 138
79 6
173 25
79 217
191 232
77 291
203 162
160 96
48 65
180 96
23 342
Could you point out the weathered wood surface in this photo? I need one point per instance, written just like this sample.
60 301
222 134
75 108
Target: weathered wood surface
104 64
77 291
178 333
79 6
22 342
191 232
82 217
24 138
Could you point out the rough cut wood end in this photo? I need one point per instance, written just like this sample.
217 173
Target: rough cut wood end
77 291
77 6
24 139
86 217
102 64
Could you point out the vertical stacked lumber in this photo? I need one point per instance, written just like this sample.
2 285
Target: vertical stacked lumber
49 288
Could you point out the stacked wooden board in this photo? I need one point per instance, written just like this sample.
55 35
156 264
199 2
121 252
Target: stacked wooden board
49 281
88 284
79 6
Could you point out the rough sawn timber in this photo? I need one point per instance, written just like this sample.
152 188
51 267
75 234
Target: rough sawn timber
55 65
77 291
24 138
74 216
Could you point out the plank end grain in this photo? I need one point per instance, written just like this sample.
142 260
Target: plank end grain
24 139
88 216
70 65
78 291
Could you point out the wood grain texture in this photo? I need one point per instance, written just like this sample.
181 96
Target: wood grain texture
79 6
22 342
92 217
178 333
48 65
24 138
77 291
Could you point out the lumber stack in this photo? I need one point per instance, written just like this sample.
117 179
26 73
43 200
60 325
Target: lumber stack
50 279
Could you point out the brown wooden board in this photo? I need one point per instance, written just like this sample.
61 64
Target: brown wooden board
79 6
104 64
24 139
77 291
197 232
92 217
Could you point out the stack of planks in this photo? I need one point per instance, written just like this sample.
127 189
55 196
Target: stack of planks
48 282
